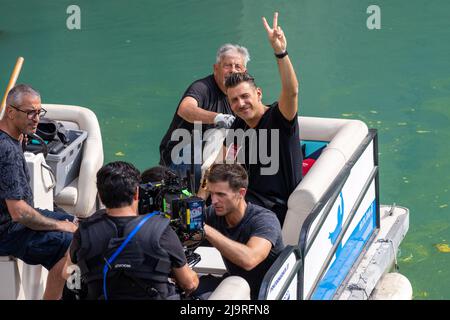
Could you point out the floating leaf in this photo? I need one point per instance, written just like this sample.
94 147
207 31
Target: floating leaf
421 294
443 247
407 259
443 206
422 251
120 154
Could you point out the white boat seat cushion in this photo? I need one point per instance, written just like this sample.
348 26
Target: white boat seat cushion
86 195
6 258
211 261
344 137
69 195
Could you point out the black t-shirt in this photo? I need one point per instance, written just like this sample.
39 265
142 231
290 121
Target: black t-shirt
169 242
14 177
289 174
209 97
257 222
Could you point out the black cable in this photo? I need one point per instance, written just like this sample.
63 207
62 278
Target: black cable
42 142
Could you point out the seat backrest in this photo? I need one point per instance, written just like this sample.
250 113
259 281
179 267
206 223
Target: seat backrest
344 137
92 158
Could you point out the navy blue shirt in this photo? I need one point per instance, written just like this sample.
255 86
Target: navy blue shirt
257 222
14 177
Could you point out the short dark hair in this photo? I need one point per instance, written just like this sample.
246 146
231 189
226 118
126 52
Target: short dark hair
117 183
156 174
238 77
234 174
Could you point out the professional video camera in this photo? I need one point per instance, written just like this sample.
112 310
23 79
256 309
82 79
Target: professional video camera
186 212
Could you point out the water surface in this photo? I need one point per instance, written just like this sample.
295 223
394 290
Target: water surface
132 60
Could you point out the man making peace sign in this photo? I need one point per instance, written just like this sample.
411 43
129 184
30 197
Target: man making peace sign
270 190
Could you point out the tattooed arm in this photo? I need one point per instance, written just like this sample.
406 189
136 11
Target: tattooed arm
24 214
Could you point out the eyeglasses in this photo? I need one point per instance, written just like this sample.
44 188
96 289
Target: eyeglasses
32 113
237 66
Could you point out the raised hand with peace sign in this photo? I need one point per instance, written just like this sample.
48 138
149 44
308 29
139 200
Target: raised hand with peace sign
288 101
275 35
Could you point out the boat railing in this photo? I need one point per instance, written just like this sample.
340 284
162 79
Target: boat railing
341 224
281 281
343 137
337 229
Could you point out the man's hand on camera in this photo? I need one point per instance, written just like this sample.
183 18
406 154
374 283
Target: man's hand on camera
223 120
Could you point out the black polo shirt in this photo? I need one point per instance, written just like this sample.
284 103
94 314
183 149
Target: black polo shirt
209 97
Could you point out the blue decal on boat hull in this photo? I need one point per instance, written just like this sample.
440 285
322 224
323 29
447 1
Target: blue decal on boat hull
347 256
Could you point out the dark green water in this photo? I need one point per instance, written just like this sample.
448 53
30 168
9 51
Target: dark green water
132 60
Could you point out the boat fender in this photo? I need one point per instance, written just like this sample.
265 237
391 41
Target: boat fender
392 286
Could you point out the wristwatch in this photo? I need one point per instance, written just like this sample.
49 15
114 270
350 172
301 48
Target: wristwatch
281 55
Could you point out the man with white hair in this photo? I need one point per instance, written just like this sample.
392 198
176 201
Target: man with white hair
205 101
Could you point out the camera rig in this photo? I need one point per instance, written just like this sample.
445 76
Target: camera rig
186 212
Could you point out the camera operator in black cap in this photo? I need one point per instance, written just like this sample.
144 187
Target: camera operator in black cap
153 255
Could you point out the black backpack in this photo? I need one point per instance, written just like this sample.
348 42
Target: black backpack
51 133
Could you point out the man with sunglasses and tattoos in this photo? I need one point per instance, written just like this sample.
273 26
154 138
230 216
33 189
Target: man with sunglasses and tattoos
37 237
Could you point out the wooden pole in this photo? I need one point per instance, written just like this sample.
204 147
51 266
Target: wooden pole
12 82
